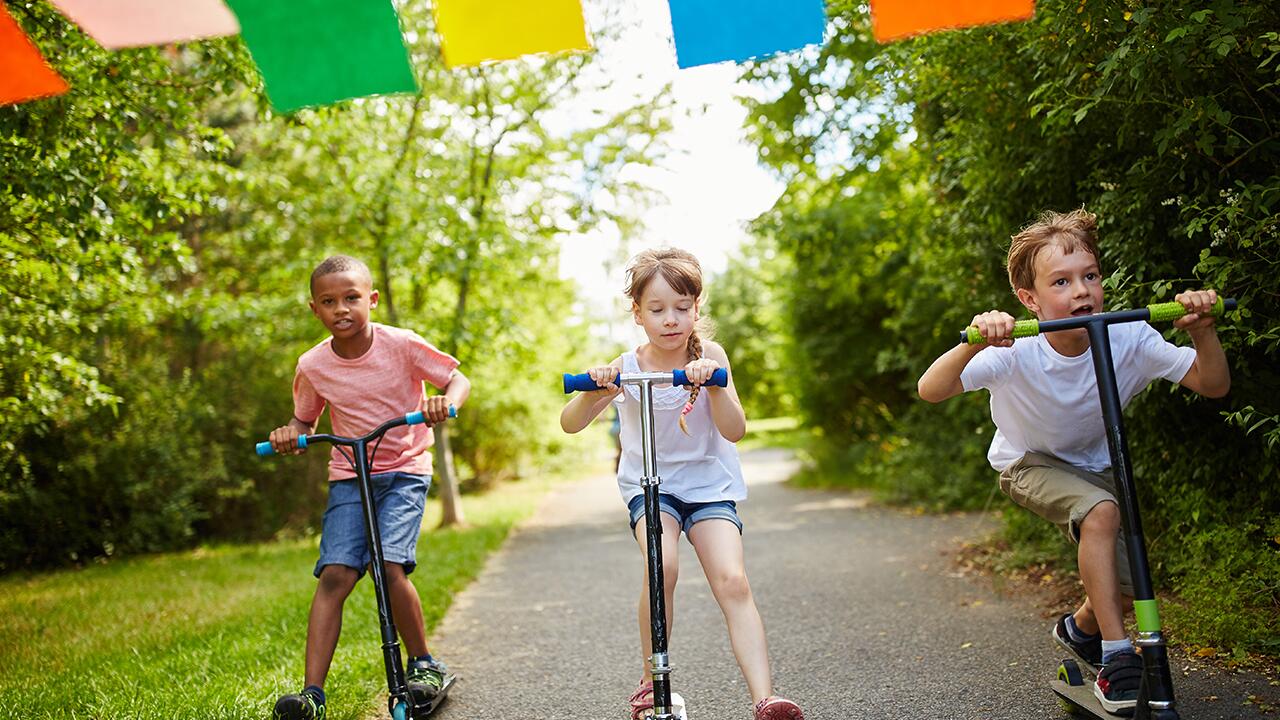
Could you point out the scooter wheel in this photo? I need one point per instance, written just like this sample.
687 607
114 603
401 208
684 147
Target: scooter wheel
1069 673
400 711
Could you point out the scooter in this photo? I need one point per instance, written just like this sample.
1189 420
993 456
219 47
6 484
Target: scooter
1155 693
667 705
400 702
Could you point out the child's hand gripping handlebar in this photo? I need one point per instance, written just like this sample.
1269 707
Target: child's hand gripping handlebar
414 418
1157 312
584 383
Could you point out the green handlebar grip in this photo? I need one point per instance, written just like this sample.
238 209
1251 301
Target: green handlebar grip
1021 329
1161 312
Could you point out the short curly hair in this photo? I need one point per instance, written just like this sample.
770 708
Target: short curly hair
336 264
1076 230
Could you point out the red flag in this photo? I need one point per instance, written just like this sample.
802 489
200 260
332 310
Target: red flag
24 75
894 19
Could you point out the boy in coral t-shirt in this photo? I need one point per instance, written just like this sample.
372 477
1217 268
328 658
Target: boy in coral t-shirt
366 373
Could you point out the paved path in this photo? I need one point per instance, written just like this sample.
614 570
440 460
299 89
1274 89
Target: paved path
865 614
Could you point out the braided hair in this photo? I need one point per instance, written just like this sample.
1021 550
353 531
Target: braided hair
683 273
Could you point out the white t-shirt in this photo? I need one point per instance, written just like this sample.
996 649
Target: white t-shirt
699 467
1045 402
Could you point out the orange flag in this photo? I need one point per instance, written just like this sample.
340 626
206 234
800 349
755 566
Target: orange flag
894 19
24 75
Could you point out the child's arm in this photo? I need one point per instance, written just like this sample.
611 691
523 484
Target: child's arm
1209 374
942 380
585 406
456 392
726 408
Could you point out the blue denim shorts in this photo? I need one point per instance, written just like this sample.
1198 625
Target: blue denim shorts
399 499
686 513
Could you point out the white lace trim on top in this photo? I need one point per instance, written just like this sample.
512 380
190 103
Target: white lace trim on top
664 398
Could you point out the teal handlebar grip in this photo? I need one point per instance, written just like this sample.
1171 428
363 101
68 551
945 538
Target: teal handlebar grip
1021 329
417 418
264 448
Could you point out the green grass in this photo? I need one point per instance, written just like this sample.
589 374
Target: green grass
216 632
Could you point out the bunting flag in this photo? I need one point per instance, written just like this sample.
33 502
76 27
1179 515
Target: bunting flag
473 31
894 19
133 23
314 52
24 75
711 31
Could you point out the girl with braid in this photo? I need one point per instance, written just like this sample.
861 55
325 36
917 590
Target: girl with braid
696 429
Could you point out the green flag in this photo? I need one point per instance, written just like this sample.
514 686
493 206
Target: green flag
313 52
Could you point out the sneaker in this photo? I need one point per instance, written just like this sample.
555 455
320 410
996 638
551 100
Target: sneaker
641 700
1088 652
425 678
1117 685
776 708
302 706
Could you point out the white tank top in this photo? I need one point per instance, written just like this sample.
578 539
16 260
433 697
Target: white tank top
699 467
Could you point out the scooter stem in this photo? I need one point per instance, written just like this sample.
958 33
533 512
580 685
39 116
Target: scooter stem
660 667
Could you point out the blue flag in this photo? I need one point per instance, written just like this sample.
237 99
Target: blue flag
712 31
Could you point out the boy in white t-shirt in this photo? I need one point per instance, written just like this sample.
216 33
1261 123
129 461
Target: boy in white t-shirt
1050 446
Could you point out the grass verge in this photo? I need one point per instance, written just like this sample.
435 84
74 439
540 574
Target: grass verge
217 632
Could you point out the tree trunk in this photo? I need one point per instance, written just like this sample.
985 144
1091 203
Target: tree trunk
446 479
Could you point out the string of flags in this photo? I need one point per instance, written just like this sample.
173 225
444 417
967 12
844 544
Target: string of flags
315 52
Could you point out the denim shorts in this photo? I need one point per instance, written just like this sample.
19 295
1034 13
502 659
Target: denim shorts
686 513
399 499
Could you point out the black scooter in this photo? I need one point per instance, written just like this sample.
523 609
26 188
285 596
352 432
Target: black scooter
1155 694
666 705
399 701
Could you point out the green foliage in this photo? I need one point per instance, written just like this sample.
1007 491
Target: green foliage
157 228
911 164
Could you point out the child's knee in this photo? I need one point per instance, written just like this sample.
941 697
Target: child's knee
1102 519
733 587
337 581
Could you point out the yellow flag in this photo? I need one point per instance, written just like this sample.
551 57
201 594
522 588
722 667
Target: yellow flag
473 31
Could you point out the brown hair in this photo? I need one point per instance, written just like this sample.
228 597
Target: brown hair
1076 230
683 273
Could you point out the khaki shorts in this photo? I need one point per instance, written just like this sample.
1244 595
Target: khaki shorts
1064 494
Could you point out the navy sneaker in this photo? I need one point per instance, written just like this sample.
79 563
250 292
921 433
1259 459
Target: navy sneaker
302 706
1088 652
1117 685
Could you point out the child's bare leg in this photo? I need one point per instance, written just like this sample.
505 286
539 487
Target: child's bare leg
1101 610
719 546
670 572
325 622
406 610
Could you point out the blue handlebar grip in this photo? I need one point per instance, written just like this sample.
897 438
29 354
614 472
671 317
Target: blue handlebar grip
579 383
719 378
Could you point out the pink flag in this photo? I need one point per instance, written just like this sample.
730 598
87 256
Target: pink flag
131 23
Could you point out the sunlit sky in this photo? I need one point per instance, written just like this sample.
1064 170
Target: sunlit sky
710 184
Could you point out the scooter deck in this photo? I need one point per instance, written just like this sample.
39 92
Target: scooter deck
1082 700
420 711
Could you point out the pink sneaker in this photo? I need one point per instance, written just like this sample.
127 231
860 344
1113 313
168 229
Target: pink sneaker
776 708
642 700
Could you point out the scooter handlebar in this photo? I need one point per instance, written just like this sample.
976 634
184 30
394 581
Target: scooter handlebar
414 418
1158 312
583 383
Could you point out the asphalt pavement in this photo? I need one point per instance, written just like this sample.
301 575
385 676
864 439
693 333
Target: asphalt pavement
867 616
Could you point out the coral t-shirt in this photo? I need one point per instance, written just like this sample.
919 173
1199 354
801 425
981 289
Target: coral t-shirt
364 392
